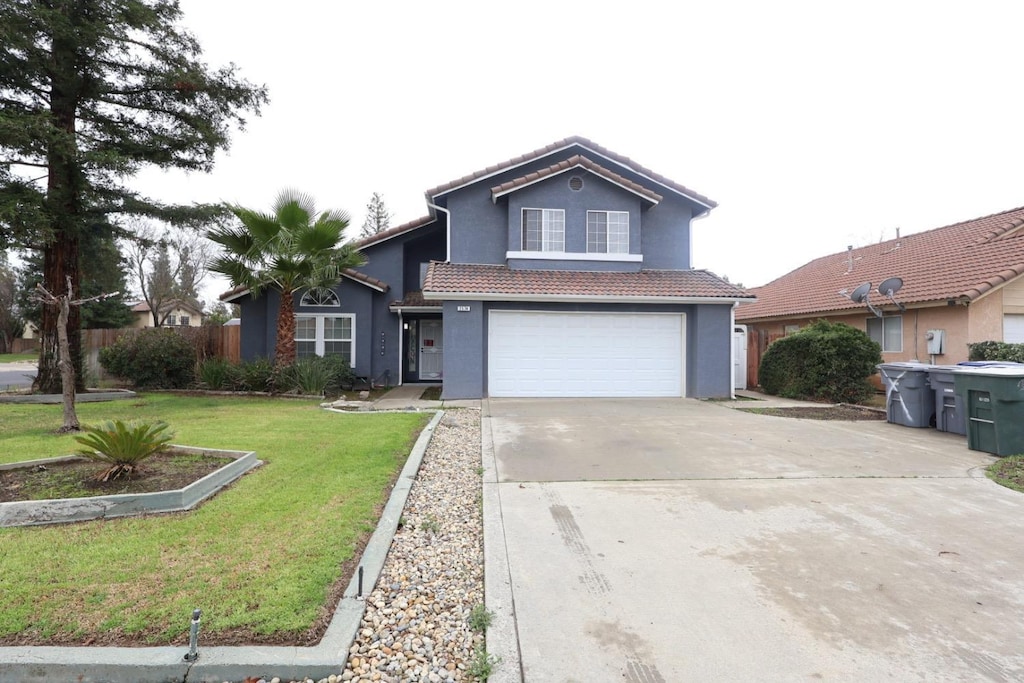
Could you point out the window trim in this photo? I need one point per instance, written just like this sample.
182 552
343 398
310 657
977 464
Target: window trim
306 302
867 329
607 223
543 226
319 340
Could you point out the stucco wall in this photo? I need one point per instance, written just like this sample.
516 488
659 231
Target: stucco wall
985 318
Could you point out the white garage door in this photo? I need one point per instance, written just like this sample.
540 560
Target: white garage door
584 354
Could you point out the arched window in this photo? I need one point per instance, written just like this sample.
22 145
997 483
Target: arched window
320 297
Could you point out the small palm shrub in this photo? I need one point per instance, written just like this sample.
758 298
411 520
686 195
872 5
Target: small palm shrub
824 361
255 375
154 358
218 374
315 375
122 445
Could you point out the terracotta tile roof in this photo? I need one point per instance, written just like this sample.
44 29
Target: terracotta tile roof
497 281
576 161
583 142
350 273
414 299
958 262
393 232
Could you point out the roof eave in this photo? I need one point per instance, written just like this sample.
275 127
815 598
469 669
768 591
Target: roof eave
583 298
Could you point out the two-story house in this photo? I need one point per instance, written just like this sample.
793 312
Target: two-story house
562 272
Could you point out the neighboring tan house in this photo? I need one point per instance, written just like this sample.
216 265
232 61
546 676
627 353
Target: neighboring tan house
563 272
961 284
179 314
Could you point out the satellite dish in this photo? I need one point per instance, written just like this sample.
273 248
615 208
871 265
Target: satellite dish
860 295
890 286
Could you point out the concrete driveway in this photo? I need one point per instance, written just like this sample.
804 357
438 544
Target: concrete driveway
654 541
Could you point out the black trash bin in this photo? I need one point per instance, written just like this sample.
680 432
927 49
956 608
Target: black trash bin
909 399
994 400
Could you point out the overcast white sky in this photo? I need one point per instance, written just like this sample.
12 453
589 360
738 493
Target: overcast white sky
814 125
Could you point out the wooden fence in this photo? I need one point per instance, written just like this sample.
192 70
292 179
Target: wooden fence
757 343
210 341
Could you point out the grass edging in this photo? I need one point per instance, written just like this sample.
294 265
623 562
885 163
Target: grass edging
160 664
1008 472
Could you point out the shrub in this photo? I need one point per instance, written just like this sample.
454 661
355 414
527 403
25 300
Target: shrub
154 358
993 350
218 374
255 375
122 445
315 375
824 361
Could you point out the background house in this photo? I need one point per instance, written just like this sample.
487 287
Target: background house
961 284
178 314
562 272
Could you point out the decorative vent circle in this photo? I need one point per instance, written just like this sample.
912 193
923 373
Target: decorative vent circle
575 183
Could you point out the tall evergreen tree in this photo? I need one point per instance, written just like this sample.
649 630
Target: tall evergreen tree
378 218
91 91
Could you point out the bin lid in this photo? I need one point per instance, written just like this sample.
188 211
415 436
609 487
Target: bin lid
900 366
1007 370
987 363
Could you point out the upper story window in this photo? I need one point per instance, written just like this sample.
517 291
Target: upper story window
888 332
543 230
172 319
319 297
184 320
607 232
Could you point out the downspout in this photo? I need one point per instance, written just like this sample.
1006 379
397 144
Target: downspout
732 348
448 230
401 348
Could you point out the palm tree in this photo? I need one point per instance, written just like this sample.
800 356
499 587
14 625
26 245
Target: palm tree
290 249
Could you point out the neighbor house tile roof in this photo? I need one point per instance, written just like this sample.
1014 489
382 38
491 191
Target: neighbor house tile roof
492 281
958 262
561 144
576 161
350 273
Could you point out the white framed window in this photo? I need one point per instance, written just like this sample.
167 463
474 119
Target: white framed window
790 329
320 297
184 320
543 230
326 335
172 319
888 332
607 232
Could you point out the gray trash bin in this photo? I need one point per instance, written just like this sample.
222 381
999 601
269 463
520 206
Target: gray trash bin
949 406
909 399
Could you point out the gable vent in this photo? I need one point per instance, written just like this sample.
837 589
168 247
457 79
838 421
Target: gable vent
575 183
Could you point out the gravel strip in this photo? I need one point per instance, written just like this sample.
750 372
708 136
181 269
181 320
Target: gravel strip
415 627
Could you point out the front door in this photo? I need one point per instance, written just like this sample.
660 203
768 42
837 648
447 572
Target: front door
431 350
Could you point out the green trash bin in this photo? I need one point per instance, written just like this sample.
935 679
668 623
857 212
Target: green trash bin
994 399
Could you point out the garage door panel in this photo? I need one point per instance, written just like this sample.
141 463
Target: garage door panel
584 354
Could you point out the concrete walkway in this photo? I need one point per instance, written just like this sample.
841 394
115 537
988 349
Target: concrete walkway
408 397
676 540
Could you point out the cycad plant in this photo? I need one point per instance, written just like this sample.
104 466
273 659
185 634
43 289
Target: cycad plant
122 445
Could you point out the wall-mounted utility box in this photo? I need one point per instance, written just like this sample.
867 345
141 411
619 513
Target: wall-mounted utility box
936 341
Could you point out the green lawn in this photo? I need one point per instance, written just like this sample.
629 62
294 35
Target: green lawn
259 559
15 357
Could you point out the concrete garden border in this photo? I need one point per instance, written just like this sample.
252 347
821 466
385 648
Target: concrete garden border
86 397
55 511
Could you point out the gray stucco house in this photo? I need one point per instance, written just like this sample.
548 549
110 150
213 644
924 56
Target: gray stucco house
563 272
